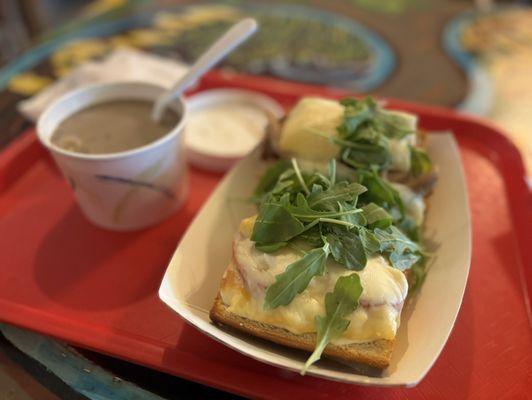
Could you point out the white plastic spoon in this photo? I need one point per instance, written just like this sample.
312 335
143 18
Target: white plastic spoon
237 34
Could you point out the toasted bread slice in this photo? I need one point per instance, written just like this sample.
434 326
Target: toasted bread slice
376 353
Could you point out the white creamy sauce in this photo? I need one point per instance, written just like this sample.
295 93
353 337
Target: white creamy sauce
228 129
384 291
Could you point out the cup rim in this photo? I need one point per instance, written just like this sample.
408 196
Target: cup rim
177 130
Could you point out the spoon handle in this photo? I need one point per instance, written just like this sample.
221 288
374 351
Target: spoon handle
218 50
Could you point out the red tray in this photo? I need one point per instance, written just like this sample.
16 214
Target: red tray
96 289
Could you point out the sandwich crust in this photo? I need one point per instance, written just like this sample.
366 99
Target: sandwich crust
376 353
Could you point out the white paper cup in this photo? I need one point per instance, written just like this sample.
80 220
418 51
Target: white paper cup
126 190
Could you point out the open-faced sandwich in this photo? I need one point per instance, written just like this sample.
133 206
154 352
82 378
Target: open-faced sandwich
328 260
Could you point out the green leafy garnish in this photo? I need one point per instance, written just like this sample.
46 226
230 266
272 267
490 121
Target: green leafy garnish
309 207
331 169
420 163
409 227
364 137
302 210
271 248
275 224
328 199
348 249
369 241
339 303
312 207
364 134
376 217
365 155
300 177
394 125
381 193
356 114
401 250
296 278
269 179
349 217
403 261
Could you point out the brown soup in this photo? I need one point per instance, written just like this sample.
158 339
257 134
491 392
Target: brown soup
112 127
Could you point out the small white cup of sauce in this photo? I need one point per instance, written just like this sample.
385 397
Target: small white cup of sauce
131 188
225 124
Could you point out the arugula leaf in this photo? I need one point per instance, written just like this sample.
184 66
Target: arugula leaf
381 193
376 217
355 218
293 181
409 227
347 249
312 237
402 252
270 248
419 161
296 278
269 179
287 183
393 239
366 155
302 211
393 125
403 261
369 241
365 132
299 176
275 224
369 133
331 169
328 199
339 303
360 138
283 186
316 188
356 114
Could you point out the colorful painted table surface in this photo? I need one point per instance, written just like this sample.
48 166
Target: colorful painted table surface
438 52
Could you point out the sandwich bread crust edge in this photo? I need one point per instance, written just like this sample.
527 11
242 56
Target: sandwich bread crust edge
376 353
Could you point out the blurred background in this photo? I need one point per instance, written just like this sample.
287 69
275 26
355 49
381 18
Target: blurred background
475 56
472 55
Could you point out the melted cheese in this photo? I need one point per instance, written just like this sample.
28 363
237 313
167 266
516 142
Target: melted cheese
310 115
400 148
413 202
400 153
252 271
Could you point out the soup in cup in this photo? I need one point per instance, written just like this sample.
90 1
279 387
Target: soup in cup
127 171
